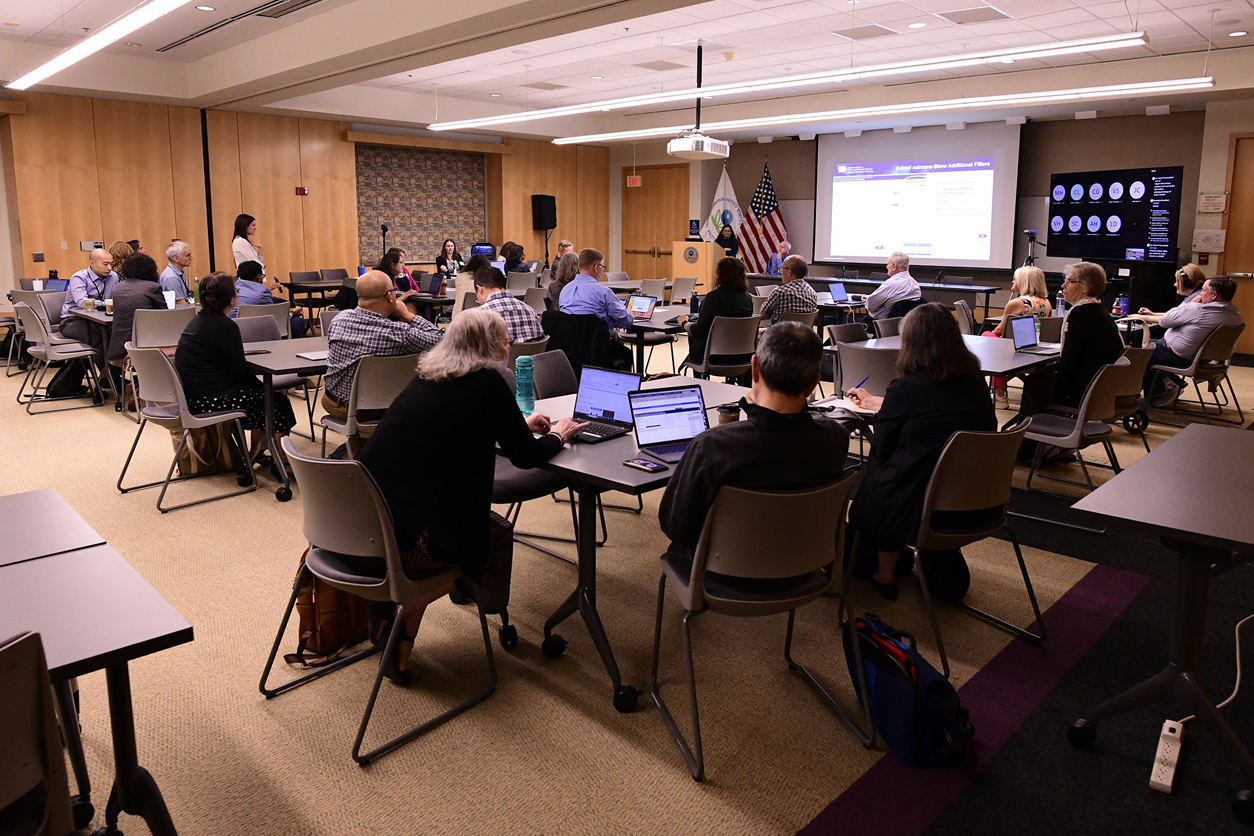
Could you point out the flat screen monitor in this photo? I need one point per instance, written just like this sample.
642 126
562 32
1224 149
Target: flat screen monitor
1130 214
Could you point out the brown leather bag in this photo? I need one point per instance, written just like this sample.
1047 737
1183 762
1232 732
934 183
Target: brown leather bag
331 621
213 449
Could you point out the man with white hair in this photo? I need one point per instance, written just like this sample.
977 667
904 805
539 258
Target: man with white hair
775 266
179 254
899 287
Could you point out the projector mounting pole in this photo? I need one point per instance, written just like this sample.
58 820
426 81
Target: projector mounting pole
699 56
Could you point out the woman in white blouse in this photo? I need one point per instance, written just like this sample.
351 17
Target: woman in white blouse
243 248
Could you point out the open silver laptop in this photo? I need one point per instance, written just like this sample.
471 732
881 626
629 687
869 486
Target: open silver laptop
1023 332
667 420
602 401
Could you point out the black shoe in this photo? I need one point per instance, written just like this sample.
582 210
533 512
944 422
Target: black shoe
887 591
394 673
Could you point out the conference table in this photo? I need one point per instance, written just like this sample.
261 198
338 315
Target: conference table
93 611
1205 533
307 289
630 286
997 357
932 291
281 357
40 523
655 324
592 469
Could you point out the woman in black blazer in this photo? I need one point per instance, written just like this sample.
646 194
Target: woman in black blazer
460 397
939 391
138 290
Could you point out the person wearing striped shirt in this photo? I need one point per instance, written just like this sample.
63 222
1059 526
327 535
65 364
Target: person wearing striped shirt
794 295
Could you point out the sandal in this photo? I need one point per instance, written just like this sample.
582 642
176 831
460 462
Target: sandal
1059 457
391 667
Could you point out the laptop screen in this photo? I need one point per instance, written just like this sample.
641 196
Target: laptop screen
500 265
57 284
434 286
1023 330
603 395
838 292
641 306
663 416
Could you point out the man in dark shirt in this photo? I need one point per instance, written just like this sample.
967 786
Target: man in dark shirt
781 447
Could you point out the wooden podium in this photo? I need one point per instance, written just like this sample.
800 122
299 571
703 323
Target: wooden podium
696 258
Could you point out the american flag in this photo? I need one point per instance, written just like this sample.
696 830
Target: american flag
763 226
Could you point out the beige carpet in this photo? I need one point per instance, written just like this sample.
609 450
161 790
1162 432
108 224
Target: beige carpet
546 754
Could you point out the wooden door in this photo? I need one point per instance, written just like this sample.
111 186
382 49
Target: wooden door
1238 256
655 215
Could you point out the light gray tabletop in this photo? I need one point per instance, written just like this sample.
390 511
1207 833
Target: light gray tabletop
1187 489
628 287
657 322
40 523
601 465
97 316
280 356
996 356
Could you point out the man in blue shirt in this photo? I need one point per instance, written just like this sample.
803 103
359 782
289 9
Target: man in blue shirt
775 267
95 282
250 291
585 294
179 254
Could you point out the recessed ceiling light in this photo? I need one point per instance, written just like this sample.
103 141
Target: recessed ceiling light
1240 33
131 43
519 52
916 25
10 24
597 77
205 9
1227 22
495 95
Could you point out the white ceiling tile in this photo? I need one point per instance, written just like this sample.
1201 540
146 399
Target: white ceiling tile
1020 9
1090 29
1064 18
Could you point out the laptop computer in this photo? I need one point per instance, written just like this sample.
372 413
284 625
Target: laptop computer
1023 332
602 401
61 285
434 286
641 307
837 289
500 265
667 420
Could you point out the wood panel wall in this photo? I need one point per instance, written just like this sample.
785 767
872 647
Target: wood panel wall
577 176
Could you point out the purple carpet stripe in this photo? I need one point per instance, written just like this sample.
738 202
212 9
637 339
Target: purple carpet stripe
895 799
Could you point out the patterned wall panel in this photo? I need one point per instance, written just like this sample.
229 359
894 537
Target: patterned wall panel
423 196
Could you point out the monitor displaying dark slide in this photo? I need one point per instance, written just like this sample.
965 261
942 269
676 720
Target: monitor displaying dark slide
1130 214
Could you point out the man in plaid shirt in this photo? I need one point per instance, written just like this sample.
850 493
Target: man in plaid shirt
521 321
795 294
369 330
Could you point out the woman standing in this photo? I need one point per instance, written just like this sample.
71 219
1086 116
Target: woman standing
730 297
1028 298
242 245
727 240
449 262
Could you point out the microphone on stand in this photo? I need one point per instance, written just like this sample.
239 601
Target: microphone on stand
939 273
384 227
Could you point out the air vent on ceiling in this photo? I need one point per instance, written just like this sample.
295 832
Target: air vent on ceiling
272 9
862 33
545 85
982 14
661 66
286 7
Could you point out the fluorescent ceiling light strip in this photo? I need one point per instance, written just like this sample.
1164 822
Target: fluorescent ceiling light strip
811 79
1043 97
120 28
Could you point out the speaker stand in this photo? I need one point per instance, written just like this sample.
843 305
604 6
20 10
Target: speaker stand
546 249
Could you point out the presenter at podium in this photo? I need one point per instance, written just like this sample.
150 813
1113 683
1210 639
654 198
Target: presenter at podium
727 240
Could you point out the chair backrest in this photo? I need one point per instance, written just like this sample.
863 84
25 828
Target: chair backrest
469 300
159 383
532 347
304 276
32 744
732 335
764 290
806 319
655 288
333 274
877 365
967 280
957 486
281 312
1051 329
534 299
50 305
520 281
758 302
772 534
847 332
258 329
1221 343
878 277
546 278
904 306
325 316
619 276
34 330
583 337
552 375
378 380
966 321
27 284
888 327
683 287
30 298
1098 403
351 283
160 328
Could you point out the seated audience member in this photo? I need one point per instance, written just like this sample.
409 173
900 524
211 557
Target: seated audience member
465 282
460 397
564 269
563 247
248 287
939 391
1090 340
586 294
1188 325
119 252
521 321
1189 281
95 282
393 265
210 361
775 266
781 447
795 294
138 290
179 256
730 297
514 262
449 262
136 246
380 326
1027 298
899 287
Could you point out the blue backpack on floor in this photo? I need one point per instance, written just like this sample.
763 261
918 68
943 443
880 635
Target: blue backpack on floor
914 708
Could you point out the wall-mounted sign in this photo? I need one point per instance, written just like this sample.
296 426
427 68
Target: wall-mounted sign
1209 240
634 180
1217 202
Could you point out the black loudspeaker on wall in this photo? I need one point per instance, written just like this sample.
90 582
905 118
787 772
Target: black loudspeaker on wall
543 211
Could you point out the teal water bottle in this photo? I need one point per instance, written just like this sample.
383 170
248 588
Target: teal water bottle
525 394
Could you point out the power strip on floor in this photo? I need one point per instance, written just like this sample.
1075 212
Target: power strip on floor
1169 743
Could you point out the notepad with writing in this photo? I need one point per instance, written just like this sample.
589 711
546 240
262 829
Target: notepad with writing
838 402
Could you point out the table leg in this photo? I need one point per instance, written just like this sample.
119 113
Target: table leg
284 493
640 353
134 790
81 803
584 599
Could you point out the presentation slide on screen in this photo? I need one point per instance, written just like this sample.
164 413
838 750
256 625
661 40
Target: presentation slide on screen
945 198
1126 215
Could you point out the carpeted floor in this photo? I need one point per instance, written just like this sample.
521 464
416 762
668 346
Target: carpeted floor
547 753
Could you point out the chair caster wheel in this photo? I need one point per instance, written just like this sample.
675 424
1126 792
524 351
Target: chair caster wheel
553 646
82 812
1136 423
1081 735
457 596
283 494
625 699
243 479
1243 808
508 636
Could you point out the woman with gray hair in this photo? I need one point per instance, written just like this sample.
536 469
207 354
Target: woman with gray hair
460 399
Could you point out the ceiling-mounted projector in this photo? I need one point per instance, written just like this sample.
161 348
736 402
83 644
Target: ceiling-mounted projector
691 145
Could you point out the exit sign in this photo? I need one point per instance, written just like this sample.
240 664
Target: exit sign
633 181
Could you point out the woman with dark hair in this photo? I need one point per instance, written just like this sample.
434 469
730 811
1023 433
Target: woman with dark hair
730 297
727 240
242 244
449 262
136 246
514 260
137 290
567 268
938 391
210 361
393 264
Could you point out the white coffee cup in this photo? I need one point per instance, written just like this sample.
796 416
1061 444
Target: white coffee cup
37 284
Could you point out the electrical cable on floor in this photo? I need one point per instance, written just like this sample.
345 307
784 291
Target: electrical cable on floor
1236 687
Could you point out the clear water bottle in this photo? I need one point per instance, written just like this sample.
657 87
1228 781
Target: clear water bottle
694 304
525 394
1060 304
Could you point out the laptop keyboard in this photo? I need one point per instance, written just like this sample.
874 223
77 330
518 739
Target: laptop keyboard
667 449
601 429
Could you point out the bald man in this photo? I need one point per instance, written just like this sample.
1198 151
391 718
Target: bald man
381 325
95 282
